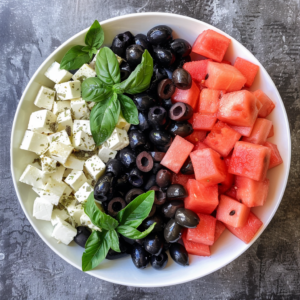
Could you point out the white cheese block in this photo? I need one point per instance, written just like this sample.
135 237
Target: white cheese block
61 137
59 106
67 172
118 139
83 193
57 175
59 213
54 190
74 163
91 105
76 179
82 125
42 209
42 121
68 90
95 167
84 72
48 164
35 142
76 211
57 75
32 176
106 154
83 141
45 98
80 110
64 119
122 123
64 232
60 152
86 221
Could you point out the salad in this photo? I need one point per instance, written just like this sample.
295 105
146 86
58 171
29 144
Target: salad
142 149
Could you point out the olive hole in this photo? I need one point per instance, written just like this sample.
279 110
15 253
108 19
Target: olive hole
157 111
136 180
159 258
167 89
117 206
144 161
177 111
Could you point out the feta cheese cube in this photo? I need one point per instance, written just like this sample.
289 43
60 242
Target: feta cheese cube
118 140
79 109
64 232
35 142
67 172
106 154
59 213
76 179
95 167
45 98
57 75
83 193
122 123
48 164
32 176
76 211
68 90
84 72
60 152
91 105
83 141
61 136
74 163
42 209
57 175
60 106
67 191
42 121
53 191
82 125
86 221
64 119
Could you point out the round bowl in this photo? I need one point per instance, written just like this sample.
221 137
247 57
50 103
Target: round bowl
228 247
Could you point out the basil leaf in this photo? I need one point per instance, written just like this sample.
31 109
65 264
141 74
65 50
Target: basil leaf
96 249
74 58
99 218
95 35
139 79
93 89
129 110
107 67
114 240
103 119
133 233
137 210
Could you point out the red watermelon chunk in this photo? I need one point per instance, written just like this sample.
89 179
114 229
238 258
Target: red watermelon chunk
248 69
209 102
250 160
203 122
208 166
177 154
204 233
224 77
231 192
211 44
190 96
227 183
271 133
238 108
232 212
275 159
222 138
200 146
260 132
201 199
195 248
267 104
226 62
248 231
196 136
197 69
220 227
251 192
181 179
244 131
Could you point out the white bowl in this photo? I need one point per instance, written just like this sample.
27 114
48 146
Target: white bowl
228 247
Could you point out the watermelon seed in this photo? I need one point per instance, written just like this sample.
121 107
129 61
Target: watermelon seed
206 77
232 212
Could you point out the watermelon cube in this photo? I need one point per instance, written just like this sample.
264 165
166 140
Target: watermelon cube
238 108
232 212
196 136
200 146
195 248
177 154
244 131
201 199
222 138
271 133
260 132
220 227
248 69
203 122
275 159
197 69
251 192
267 104
250 160
248 231
227 183
224 77
181 179
209 102
190 96
211 44
208 166
226 62
204 233
231 192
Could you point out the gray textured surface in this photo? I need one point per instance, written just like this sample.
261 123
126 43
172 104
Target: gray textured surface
30 30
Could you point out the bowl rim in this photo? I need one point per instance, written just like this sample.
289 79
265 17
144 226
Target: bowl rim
128 16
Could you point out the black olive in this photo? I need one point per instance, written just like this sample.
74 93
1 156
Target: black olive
182 79
148 146
140 242
115 205
159 34
82 235
152 211
166 246
128 241
134 55
176 192
150 182
187 168
102 187
158 75
159 226
121 42
160 261
143 121
163 178
160 196
157 156
180 62
172 231
186 218
136 138
160 138
182 129
140 257
143 102
141 39
125 249
153 243
125 70
157 116
169 72
163 56
114 166
132 194
165 89
169 208
122 185
167 103
180 112
179 254
144 162
156 167
127 157
136 177
180 47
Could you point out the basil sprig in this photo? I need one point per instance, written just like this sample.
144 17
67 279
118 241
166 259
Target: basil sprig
126 223
79 55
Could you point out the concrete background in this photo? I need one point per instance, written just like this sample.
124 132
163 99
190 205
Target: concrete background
30 30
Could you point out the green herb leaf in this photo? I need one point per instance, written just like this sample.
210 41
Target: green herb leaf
74 58
96 249
139 79
107 67
133 233
99 218
95 35
93 89
114 240
137 210
103 119
129 110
